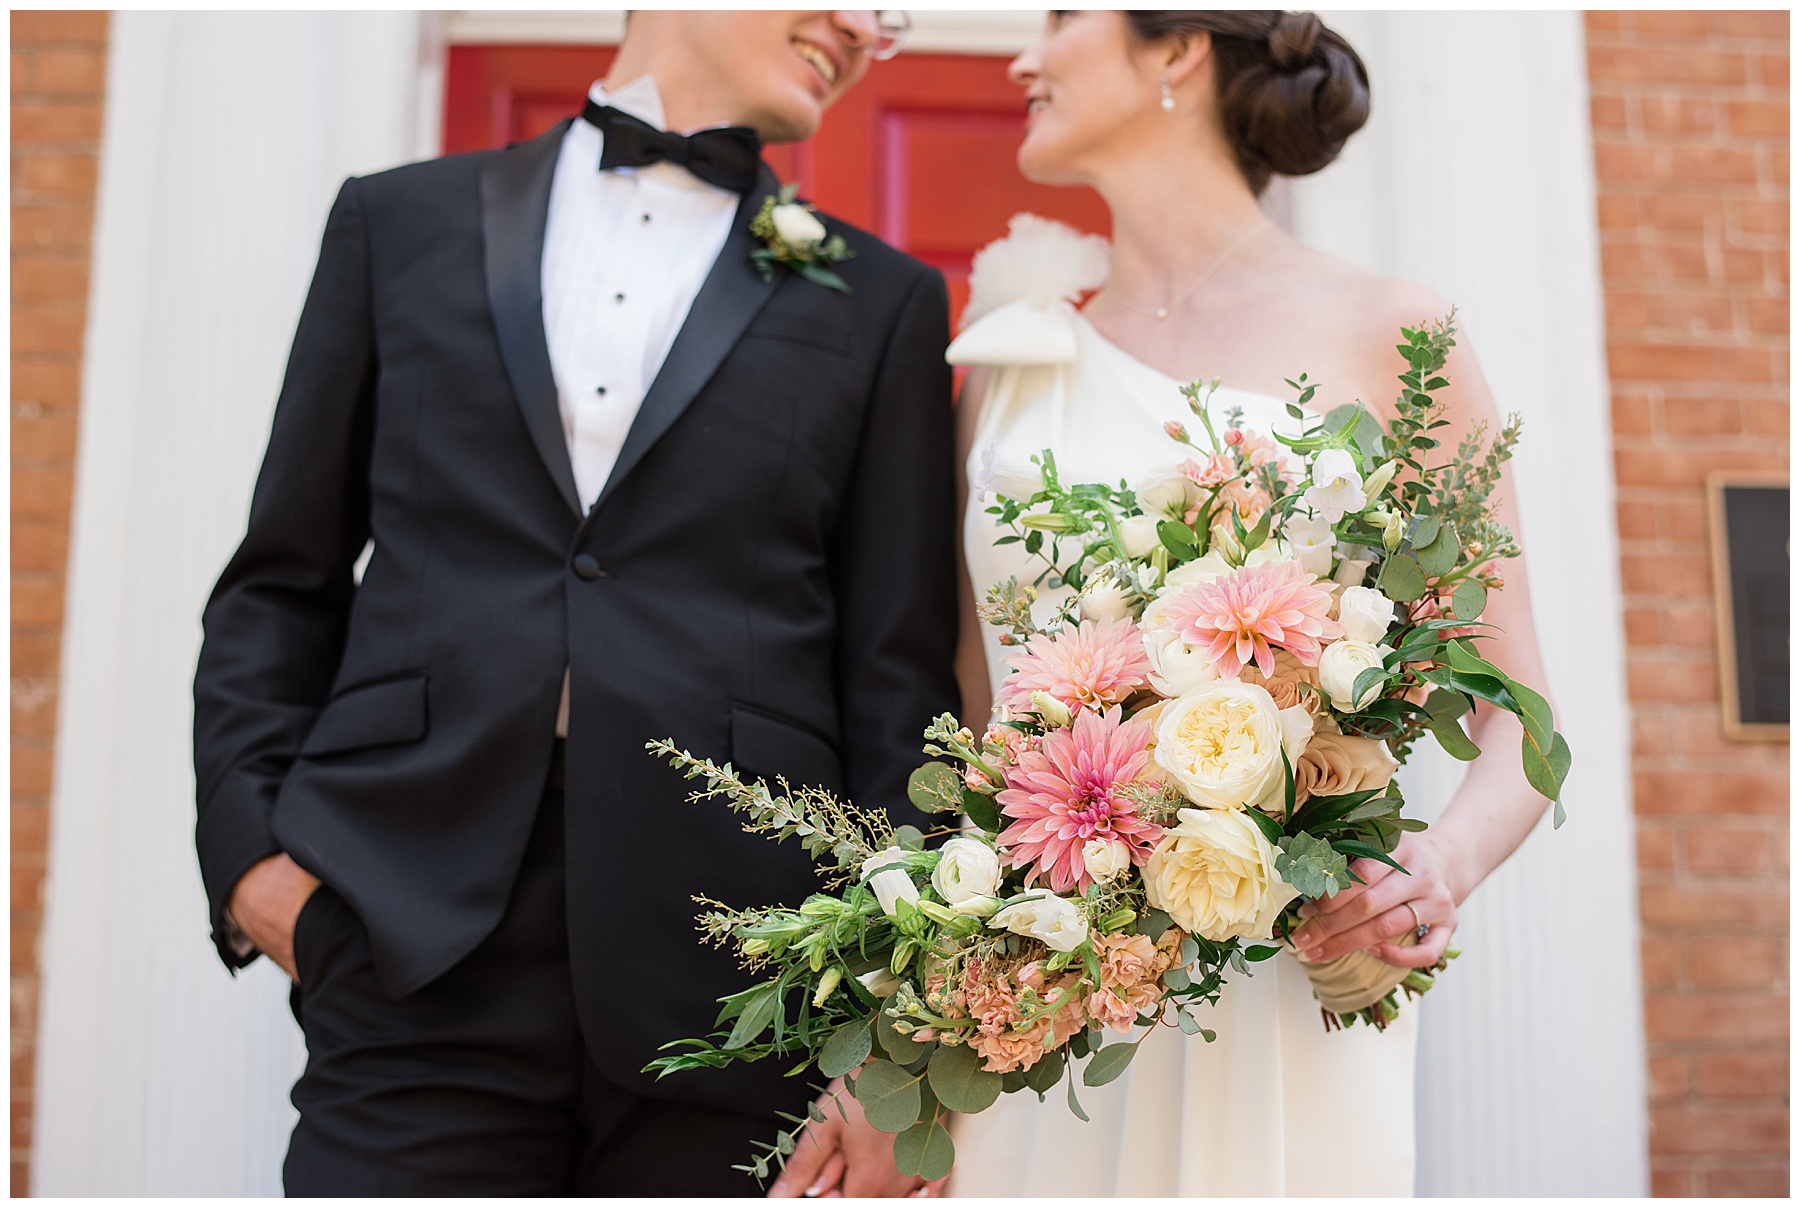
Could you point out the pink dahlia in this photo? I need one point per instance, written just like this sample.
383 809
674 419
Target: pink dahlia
1068 791
1099 664
1244 615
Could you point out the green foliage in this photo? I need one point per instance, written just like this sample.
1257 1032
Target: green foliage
960 1082
925 1151
935 788
1108 1063
1312 866
889 1096
848 1048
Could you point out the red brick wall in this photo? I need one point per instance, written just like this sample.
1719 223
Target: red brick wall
1690 114
58 76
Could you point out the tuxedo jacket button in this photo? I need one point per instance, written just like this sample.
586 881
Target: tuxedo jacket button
588 567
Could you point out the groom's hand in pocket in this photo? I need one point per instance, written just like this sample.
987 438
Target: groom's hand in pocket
265 904
844 1155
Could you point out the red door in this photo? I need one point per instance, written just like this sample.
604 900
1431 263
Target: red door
920 152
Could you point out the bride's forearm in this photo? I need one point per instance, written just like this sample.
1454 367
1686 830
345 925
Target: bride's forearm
1493 811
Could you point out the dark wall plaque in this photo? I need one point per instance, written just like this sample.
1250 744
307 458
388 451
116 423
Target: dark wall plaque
1749 515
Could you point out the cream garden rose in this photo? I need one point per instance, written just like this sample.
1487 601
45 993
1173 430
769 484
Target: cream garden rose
1223 743
1214 874
1339 666
1364 613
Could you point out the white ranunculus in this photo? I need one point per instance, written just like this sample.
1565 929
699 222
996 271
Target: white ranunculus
1104 600
1203 569
1365 614
798 226
1056 921
893 886
1312 542
1214 874
1337 486
1176 666
1342 662
1168 495
1223 743
1139 536
968 870
1105 859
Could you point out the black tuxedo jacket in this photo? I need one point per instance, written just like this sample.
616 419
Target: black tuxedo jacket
767 578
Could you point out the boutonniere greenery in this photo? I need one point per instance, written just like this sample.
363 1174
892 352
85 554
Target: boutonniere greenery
794 236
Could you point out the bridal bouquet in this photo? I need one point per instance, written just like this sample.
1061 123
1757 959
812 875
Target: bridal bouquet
1199 740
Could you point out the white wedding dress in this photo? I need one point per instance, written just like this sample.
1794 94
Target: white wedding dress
1276 1105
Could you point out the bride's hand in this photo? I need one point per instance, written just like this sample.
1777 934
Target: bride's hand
1375 914
844 1156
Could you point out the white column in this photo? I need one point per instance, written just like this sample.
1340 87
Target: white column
226 135
1475 176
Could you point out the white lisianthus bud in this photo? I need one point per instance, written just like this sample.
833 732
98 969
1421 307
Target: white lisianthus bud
1351 569
1053 711
1337 487
798 227
1364 613
1138 533
1392 531
1377 482
1339 666
827 983
1104 600
1105 859
879 982
1058 922
967 870
893 886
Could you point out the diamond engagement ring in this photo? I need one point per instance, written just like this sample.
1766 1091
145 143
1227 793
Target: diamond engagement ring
1421 928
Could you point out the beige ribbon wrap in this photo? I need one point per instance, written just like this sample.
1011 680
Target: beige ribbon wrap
1356 980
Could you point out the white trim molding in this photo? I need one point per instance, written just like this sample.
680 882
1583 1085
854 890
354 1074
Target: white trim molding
936 31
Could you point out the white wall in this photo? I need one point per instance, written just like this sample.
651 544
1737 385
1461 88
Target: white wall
1475 177
226 135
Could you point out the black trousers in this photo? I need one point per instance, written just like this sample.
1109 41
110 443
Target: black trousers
480 1083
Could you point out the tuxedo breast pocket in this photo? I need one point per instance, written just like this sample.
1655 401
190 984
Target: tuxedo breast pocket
766 746
822 323
370 715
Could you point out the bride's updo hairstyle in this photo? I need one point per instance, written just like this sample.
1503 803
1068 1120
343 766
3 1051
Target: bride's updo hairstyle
1291 91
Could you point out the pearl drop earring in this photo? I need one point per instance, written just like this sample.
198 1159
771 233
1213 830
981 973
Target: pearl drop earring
1168 98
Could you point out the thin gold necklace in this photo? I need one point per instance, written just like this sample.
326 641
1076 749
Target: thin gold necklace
1162 312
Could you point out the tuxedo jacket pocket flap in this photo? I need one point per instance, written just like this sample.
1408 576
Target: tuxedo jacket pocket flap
374 715
765 747
830 333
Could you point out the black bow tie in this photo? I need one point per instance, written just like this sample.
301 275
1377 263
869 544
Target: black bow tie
728 157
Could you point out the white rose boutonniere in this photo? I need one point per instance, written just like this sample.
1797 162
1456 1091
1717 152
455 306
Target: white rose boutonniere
793 235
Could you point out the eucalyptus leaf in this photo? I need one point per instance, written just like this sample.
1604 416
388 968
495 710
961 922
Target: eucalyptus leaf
909 837
959 1081
925 1151
1153 923
1402 578
847 1048
1439 558
935 788
1046 1073
1424 529
1177 979
902 1049
1075 1104
1108 1064
1468 601
889 1096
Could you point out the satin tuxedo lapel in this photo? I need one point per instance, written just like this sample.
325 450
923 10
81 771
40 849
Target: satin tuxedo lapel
515 205
728 301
